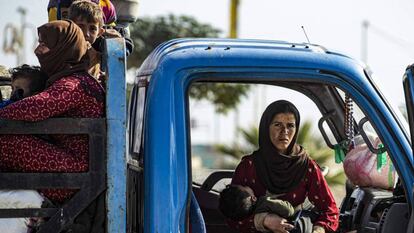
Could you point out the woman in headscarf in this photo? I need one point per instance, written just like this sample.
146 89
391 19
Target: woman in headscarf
283 168
70 92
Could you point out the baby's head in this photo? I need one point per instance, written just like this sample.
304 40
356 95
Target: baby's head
26 81
89 17
237 202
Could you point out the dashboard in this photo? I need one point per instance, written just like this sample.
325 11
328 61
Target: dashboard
370 210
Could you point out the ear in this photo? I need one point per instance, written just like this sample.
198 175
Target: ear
101 31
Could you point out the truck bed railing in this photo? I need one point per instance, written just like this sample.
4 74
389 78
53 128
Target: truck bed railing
90 184
107 150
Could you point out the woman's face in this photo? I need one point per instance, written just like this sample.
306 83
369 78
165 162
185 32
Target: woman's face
41 48
281 131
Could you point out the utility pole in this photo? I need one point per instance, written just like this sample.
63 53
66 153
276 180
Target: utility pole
234 5
21 56
14 37
364 41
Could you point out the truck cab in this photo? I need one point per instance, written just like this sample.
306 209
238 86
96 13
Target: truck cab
162 178
143 154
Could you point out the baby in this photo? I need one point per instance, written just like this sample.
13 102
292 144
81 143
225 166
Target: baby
239 202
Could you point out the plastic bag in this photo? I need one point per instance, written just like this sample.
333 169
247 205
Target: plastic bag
366 169
15 199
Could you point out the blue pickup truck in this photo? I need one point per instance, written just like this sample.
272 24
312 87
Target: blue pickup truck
141 153
160 155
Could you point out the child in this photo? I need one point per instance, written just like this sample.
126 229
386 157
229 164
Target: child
239 202
26 81
59 9
89 17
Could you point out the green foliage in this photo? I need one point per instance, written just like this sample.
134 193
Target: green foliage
148 33
251 143
224 96
304 133
315 147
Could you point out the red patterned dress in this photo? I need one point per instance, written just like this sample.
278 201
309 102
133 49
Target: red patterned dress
76 96
312 186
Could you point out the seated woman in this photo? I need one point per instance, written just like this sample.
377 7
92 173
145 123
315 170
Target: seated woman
283 168
70 92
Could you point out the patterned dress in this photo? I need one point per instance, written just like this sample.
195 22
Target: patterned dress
312 186
76 96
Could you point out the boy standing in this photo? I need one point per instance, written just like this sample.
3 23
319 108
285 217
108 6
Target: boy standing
89 17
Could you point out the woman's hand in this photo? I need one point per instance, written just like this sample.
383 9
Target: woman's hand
277 224
111 33
318 229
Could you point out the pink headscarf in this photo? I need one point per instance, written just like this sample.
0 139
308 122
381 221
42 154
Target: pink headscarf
108 9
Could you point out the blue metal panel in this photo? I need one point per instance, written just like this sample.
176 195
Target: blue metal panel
175 64
116 140
166 156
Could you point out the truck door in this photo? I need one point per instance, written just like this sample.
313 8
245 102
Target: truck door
408 82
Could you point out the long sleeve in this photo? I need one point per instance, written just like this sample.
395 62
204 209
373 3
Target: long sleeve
320 195
312 186
59 98
245 174
72 96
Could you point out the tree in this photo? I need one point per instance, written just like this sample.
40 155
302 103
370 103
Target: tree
147 33
224 96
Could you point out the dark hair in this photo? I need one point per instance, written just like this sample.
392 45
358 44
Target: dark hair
277 107
86 10
33 73
65 3
235 204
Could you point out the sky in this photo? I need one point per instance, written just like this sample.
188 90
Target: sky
334 24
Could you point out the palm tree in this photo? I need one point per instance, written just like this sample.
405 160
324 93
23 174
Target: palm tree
315 147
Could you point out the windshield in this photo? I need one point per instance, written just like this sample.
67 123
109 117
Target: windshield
395 101
401 113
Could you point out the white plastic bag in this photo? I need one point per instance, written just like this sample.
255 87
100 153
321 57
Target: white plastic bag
360 166
15 199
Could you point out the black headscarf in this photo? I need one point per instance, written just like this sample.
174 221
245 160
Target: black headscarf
280 173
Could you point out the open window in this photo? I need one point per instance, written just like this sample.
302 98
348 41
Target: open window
220 139
331 122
